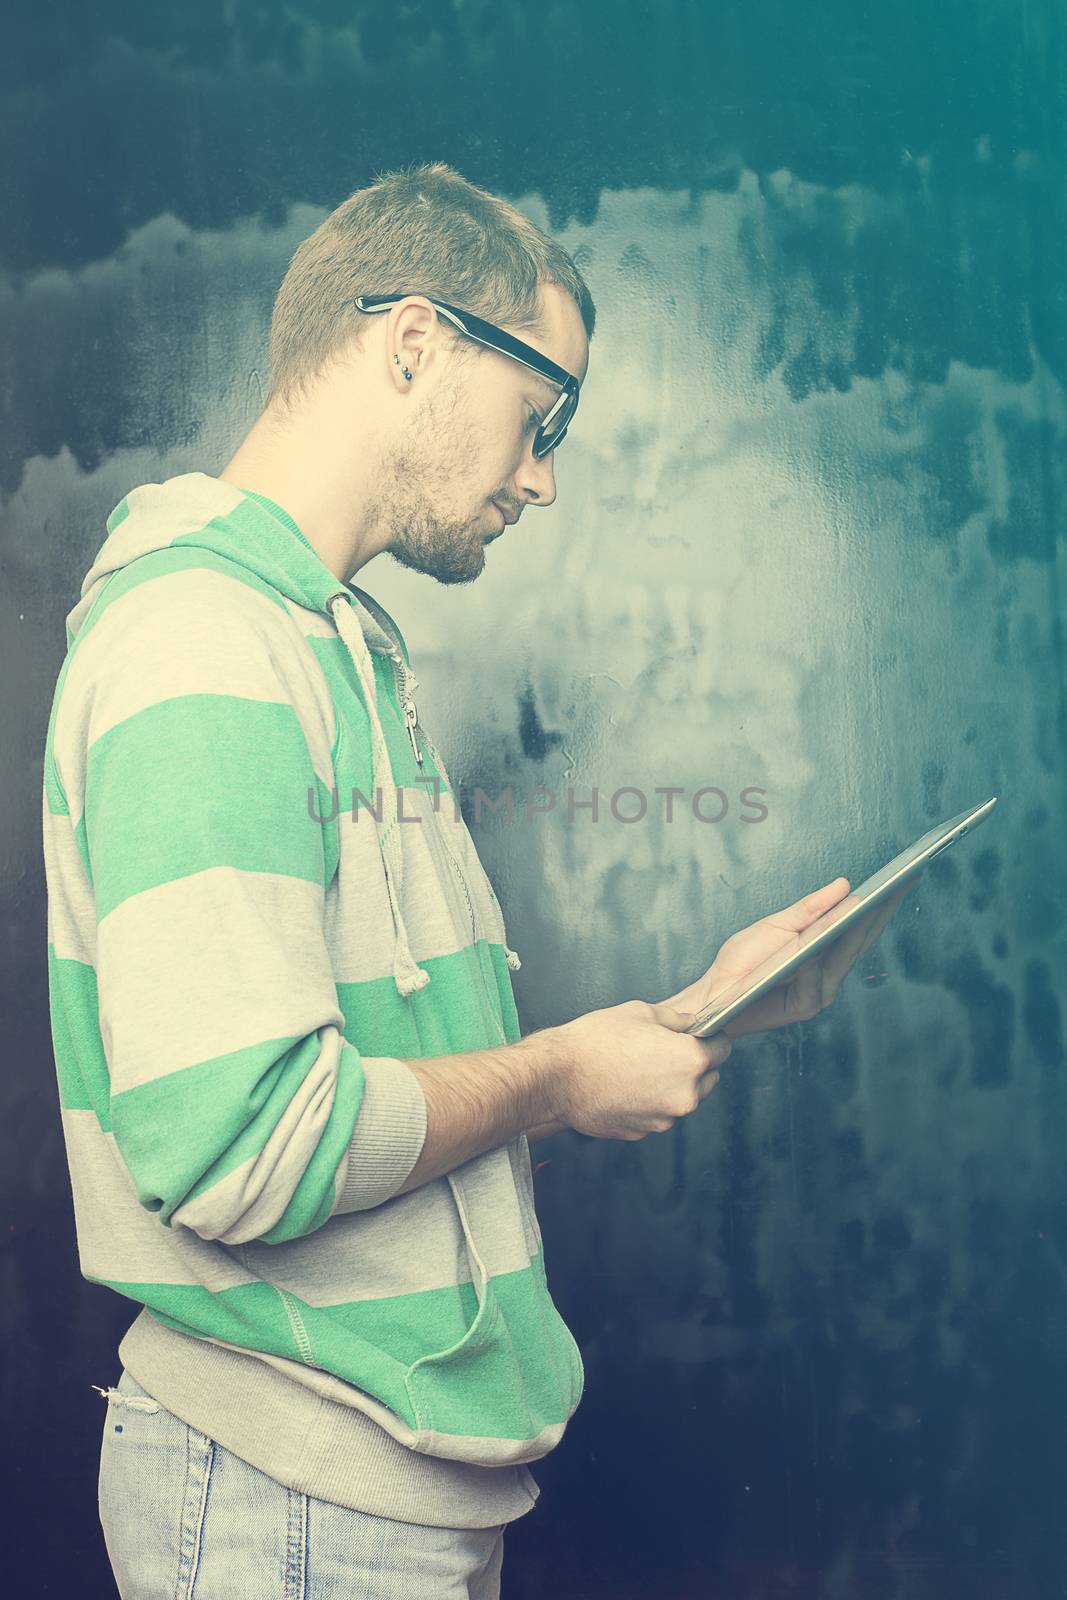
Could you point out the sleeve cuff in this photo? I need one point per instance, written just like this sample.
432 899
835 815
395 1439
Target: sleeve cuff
387 1139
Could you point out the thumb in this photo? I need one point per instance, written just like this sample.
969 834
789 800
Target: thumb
670 1017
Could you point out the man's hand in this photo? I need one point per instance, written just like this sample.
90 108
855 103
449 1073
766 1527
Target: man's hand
544 1130
628 1070
808 990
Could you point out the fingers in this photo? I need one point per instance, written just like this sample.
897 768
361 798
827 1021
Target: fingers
803 912
706 1084
816 981
838 886
843 955
874 924
716 1046
718 1049
671 1017
803 994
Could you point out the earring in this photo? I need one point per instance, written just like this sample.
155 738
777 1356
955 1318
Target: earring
407 374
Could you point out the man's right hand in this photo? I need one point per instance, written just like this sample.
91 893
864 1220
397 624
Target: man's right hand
630 1070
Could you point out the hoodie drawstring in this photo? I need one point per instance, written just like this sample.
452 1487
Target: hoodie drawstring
407 975
510 956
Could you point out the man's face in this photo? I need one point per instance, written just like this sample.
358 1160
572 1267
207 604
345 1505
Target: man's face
465 464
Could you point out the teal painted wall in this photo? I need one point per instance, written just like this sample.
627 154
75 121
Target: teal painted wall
809 539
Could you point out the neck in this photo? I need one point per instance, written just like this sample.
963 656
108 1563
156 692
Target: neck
295 465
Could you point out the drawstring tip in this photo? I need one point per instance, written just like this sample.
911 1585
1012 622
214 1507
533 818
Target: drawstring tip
408 978
512 959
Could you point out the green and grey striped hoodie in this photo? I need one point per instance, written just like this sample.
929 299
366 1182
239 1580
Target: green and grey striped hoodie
262 898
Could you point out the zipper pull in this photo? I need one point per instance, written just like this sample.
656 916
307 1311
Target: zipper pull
411 716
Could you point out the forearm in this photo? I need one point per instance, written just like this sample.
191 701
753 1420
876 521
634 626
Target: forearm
480 1099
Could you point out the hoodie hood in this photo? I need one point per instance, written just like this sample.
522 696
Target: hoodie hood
196 509
247 528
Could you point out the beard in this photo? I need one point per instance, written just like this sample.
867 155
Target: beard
419 476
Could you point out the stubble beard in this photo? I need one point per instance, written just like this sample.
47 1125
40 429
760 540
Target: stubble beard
419 476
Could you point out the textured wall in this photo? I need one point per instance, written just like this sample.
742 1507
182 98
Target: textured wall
808 541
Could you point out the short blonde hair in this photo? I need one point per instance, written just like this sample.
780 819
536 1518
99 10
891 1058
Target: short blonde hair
422 230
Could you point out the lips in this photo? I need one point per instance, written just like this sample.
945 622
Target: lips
510 517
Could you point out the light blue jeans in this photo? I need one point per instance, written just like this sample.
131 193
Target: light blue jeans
185 1519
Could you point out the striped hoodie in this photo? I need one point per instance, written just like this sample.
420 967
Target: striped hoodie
262 899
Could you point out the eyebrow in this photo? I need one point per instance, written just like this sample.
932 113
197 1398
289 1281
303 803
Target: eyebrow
547 388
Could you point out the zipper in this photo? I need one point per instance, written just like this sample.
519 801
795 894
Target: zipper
400 676
494 1019
463 886
411 714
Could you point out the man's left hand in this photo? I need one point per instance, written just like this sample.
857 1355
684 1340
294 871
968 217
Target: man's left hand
812 986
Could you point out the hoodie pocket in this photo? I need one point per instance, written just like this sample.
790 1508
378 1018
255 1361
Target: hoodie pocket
457 1367
486 1397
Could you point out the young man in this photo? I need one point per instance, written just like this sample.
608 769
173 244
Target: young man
296 1103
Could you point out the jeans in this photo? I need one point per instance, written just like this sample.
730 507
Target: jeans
185 1519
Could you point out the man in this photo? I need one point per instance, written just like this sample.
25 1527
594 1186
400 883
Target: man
296 1103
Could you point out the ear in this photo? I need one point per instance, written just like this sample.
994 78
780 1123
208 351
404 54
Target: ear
412 340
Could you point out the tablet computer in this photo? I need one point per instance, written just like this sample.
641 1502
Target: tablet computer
832 924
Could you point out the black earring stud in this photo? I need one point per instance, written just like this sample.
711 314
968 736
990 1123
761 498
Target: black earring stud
407 374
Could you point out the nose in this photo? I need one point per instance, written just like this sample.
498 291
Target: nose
536 480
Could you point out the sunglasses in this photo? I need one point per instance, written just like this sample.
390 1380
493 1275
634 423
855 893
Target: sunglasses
555 422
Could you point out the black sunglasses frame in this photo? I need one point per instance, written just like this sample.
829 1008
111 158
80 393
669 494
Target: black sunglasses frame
494 338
